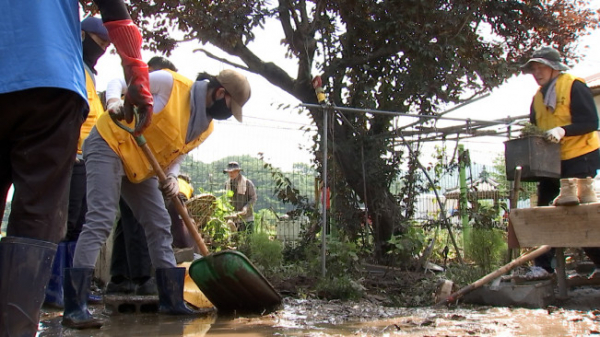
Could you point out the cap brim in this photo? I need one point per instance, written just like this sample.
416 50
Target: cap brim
236 110
526 68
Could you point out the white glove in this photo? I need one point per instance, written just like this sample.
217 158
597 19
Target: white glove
115 107
244 211
169 187
555 135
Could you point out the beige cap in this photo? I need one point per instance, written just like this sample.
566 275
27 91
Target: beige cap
238 87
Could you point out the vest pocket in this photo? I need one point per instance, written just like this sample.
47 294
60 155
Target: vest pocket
136 165
166 134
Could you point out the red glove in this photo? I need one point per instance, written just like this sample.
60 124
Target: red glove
126 37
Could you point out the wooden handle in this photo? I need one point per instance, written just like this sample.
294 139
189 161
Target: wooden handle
178 204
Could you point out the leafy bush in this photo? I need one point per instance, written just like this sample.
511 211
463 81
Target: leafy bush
264 252
487 247
408 245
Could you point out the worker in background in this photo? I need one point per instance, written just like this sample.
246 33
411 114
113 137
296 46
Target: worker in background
43 100
243 199
181 236
564 108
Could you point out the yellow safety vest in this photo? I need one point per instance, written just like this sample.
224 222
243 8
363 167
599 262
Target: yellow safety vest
185 188
96 109
571 146
165 135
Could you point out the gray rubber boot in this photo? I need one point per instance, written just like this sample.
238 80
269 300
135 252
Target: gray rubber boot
77 287
25 268
170 292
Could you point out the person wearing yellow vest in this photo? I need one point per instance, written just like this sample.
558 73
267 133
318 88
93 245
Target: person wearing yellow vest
95 40
564 108
130 265
183 118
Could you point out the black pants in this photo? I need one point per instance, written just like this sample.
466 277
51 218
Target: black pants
548 189
130 257
77 201
181 236
38 141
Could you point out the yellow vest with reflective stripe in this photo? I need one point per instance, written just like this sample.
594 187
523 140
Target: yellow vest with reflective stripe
570 146
165 135
96 109
185 188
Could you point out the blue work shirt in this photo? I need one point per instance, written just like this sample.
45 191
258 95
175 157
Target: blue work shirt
40 45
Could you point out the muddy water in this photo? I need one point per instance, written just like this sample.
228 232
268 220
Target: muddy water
317 318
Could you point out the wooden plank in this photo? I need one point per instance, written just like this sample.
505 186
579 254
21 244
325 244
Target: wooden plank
561 226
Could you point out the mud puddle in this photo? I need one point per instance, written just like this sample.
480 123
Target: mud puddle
320 318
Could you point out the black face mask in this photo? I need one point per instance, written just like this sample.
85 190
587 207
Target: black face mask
219 110
91 51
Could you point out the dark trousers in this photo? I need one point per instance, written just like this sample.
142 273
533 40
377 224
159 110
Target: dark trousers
130 257
181 236
548 189
38 141
77 201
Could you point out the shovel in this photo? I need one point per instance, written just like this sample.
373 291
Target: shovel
228 279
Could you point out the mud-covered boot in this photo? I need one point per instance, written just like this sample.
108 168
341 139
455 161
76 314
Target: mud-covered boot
77 287
169 282
568 193
25 267
54 289
585 191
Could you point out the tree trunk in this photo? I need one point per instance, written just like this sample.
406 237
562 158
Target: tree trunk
383 208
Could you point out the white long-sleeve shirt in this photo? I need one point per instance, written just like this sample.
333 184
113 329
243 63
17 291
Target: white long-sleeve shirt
161 85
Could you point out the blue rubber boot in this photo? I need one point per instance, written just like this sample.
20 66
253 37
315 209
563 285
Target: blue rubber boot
77 287
70 253
25 267
169 282
54 289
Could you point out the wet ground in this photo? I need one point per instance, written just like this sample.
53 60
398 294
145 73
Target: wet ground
575 317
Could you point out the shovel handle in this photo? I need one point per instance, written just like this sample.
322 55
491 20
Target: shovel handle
178 205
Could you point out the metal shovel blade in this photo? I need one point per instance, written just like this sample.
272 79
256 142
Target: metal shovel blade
232 283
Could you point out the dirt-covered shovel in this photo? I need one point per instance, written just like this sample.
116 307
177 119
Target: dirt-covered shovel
227 278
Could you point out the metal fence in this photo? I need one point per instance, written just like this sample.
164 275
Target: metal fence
272 150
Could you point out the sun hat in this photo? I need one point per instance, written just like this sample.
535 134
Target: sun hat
548 56
238 87
94 25
232 166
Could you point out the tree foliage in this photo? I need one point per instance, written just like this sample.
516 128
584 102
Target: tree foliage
410 56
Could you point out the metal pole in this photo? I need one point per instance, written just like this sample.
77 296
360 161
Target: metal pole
462 201
324 196
394 113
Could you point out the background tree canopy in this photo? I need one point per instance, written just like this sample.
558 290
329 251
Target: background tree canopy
409 56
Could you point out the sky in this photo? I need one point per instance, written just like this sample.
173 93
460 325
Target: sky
275 133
